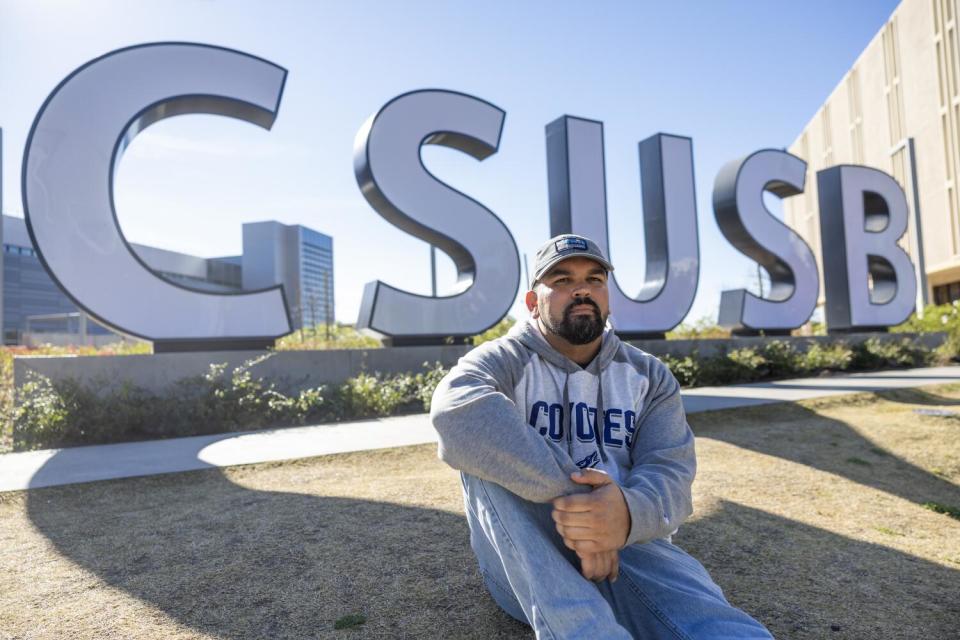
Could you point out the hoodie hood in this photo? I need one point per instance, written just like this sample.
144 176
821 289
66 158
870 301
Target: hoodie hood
527 333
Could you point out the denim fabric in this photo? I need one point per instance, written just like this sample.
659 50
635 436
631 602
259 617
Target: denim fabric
662 592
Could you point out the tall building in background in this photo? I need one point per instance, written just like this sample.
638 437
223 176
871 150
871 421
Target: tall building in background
904 86
28 291
299 258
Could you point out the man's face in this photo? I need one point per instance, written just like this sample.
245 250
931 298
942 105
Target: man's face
572 301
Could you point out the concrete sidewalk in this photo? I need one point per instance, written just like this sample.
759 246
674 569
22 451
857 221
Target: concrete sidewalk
34 469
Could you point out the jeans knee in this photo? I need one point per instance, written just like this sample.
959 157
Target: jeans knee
504 596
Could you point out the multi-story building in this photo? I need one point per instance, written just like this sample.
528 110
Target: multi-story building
28 291
297 257
902 94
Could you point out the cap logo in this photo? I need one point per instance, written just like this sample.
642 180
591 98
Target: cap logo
570 244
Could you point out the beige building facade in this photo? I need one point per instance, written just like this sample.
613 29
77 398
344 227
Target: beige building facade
904 86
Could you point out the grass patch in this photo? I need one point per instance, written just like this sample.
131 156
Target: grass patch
888 531
859 461
945 509
351 621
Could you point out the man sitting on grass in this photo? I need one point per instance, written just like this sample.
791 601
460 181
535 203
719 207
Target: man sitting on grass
576 462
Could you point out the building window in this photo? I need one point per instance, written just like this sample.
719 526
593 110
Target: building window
855 109
946 293
827 132
945 37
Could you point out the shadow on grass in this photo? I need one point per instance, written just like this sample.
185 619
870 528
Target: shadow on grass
918 396
802 581
239 563
801 435
233 562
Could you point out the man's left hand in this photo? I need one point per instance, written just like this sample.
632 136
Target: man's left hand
593 522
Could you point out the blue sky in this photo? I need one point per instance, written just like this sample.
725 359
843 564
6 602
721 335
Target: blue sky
735 76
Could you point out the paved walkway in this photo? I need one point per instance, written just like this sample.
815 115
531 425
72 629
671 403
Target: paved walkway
52 467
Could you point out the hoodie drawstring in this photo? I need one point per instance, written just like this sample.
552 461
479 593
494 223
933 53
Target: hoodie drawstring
567 414
599 424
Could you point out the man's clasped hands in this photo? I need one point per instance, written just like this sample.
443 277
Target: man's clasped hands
595 525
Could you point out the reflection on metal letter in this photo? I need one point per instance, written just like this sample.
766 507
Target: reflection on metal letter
746 223
394 181
578 204
863 212
72 155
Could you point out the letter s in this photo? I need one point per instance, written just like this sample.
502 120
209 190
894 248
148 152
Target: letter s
746 223
394 181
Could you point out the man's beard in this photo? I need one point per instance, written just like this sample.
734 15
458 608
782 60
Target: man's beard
580 328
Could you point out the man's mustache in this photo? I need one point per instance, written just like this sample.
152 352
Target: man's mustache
581 301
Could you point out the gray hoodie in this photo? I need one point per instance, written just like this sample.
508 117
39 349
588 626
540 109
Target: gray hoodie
518 413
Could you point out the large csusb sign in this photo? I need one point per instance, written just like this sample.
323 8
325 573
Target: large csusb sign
82 129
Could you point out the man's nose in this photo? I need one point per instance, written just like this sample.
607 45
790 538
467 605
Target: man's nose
581 290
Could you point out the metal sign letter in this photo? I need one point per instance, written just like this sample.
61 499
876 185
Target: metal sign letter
394 181
746 223
70 161
578 204
863 212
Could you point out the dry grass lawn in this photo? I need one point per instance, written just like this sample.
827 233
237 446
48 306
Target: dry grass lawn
810 516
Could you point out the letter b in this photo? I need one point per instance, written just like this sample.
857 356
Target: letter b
863 212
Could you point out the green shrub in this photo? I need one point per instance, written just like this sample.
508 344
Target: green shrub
818 328
496 331
772 360
427 382
949 351
739 365
942 317
777 358
41 416
874 353
222 400
686 369
66 413
703 328
8 404
837 356
336 336
746 359
781 359
368 396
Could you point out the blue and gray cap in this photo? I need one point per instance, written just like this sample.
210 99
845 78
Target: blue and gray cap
565 246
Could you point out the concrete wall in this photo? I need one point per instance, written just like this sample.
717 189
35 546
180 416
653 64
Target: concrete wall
293 370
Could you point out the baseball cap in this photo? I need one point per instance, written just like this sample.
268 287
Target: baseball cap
567 245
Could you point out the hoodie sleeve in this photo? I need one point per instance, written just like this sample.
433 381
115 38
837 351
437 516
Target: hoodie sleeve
482 433
657 488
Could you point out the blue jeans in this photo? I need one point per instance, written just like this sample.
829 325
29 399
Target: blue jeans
662 592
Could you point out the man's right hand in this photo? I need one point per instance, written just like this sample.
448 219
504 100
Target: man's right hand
604 565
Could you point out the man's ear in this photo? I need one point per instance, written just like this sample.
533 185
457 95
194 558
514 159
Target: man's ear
531 301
